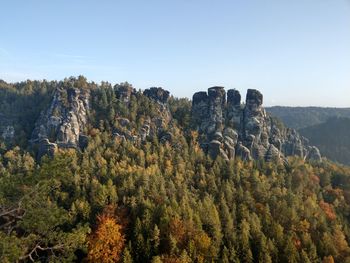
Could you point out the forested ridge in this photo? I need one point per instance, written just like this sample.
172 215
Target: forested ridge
159 200
332 137
326 128
302 117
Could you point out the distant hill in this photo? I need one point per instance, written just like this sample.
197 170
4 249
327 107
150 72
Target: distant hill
302 117
326 128
332 138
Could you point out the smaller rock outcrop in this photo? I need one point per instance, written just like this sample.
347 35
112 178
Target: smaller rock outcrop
243 152
272 154
124 91
158 94
46 148
155 124
314 154
64 121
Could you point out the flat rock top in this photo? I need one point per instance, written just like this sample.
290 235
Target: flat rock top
216 91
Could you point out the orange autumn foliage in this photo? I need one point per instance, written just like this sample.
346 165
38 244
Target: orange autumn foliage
178 230
315 179
328 210
297 243
328 259
107 242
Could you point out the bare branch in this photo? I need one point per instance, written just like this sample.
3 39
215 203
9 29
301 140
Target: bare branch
37 247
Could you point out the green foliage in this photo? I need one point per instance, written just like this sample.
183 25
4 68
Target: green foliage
174 204
181 111
332 138
34 221
302 117
20 106
326 128
258 213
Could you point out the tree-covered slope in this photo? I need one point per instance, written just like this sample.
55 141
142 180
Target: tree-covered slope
170 204
332 137
143 190
20 106
302 117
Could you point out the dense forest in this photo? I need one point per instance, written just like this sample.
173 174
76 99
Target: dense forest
326 128
332 138
302 117
159 200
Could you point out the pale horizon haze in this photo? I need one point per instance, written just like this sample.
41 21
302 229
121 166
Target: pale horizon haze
297 53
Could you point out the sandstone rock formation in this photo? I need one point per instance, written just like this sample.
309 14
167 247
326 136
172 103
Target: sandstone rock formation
229 128
157 125
153 126
46 148
63 123
124 91
158 94
314 154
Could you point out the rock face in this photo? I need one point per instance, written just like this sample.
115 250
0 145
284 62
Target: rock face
228 128
46 148
157 125
63 123
314 154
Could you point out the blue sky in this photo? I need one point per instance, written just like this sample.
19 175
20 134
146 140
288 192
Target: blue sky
295 52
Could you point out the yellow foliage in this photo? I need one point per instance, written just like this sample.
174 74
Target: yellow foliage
203 243
304 226
107 242
339 240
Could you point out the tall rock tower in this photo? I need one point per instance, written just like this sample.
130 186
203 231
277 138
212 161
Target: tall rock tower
229 128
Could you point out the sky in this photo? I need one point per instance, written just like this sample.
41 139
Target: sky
297 53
